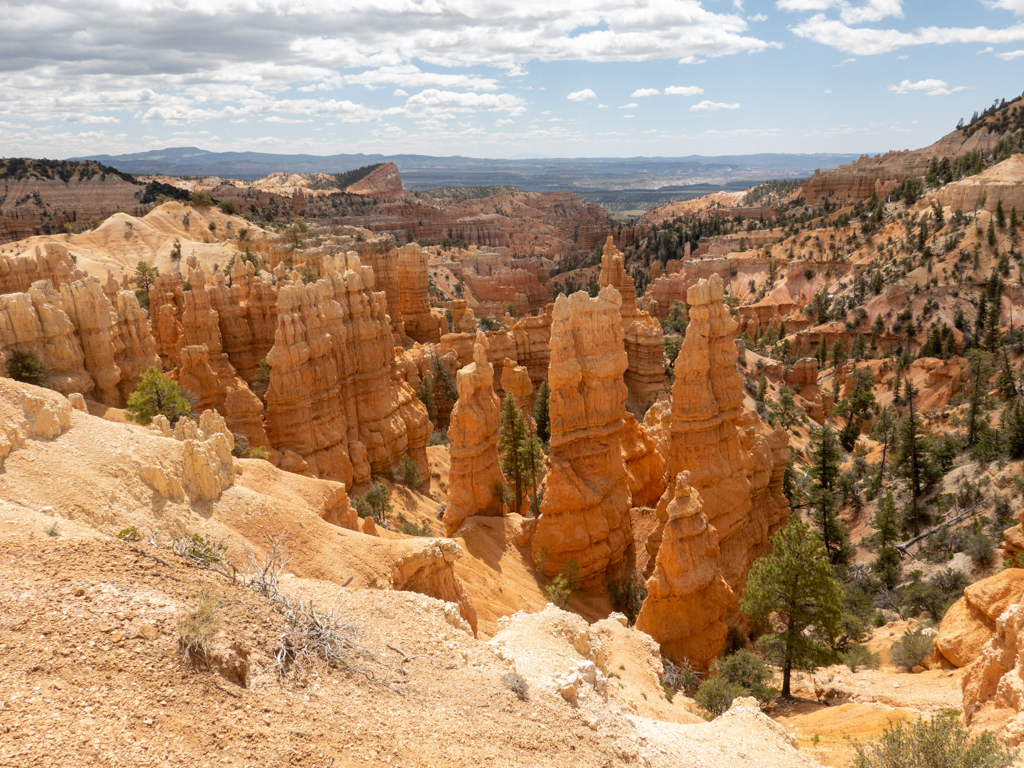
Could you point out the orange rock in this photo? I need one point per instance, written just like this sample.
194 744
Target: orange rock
736 462
643 337
585 512
515 380
532 337
645 468
687 597
475 475
419 323
971 621
995 681
50 262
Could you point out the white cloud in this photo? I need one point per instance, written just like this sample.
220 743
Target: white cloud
1017 6
501 122
988 49
628 117
828 90
872 10
683 90
631 105
1010 55
399 92
433 100
640 93
904 57
868 42
81 119
931 87
583 95
712 106
602 106
757 17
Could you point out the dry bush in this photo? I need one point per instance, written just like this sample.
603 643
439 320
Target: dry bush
196 627
516 683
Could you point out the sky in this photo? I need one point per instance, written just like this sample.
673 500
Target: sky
500 78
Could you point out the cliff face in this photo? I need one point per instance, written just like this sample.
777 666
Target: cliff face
50 261
332 399
532 337
734 460
585 511
381 255
81 337
687 597
643 337
524 289
475 472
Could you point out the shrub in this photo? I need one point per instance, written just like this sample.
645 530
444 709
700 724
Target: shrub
516 684
52 529
27 368
628 594
716 695
228 208
199 200
407 473
198 550
858 655
750 673
941 741
879 619
981 549
438 437
129 534
682 677
196 627
157 395
412 529
375 503
259 452
911 649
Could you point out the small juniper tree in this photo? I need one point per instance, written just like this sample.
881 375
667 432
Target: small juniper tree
157 395
26 367
521 458
541 412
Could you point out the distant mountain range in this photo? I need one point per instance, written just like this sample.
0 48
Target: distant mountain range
420 172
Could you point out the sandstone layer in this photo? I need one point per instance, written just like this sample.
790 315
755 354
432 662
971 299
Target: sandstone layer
414 299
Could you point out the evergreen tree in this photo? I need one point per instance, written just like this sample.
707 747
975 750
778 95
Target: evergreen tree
426 396
143 280
762 389
887 565
794 593
784 411
541 412
1005 382
261 381
1000 216
1013 429
856 406
157 395
884 431
520 453
977 394
824 470
990 234
912 458
838 353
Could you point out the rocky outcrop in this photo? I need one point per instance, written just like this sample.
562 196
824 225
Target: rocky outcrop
414 299
50 261
515 381
475 477
735 461
532 337
332 399
585 511
643 337
90 312
524 289
996 680
381 255
28 412
971 621
1002 183
645 467
687 597
134 345
383 183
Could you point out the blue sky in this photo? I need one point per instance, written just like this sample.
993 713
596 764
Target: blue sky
500 78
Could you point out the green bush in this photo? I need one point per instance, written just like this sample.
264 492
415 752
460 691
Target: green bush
228 208
259 452
375 503
941 742
410 528
438 437
199 200
747 671
858 655
27 368
407 473
911 649
716 695
981 549
157 395
682 677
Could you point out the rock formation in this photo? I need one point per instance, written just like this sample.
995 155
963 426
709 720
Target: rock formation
383 183
475 473
380 254
414 299
515 380
735 461
51 261
643 337
332 399
645 467
687 597
28 412
996 679
585 511
527 289
532 337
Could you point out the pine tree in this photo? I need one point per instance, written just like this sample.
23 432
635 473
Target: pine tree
261 380
856 406
884 431
911 457
977 392
794 593
157 395
887 564
824 470
838 353
1000 216
541 412
520 453
1013 429
1006 382
990 234
762 389
426 396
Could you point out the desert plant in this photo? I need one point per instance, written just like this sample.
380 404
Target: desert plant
438 437
407 473
750 673
981 549
858 655
716 695
564 584
26 367
157 395
52 529
679 677
375 503
911 649
196 627
941 742
129 534
516 684
412 529
260 452
628 594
